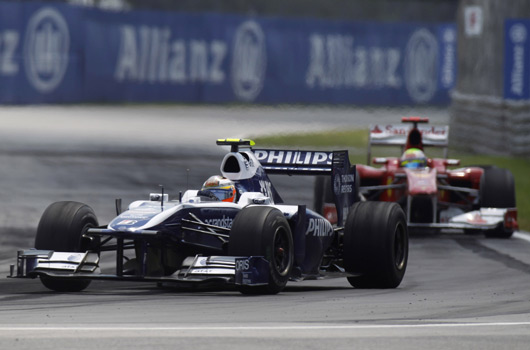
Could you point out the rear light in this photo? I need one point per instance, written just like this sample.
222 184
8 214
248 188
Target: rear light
510 219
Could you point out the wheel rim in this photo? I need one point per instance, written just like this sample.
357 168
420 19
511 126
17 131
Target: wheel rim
281 254
400 252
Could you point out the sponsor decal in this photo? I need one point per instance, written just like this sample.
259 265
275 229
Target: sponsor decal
225 221
46 49
151 54
246 163
335 62
8 45
265 188
343 183
203 271
74 257
518 35
476 219
127 222
448 70
376 130
249 61
293 157
242 264
473 20
421 66
347 183
319 228
336 184
135 216
400 132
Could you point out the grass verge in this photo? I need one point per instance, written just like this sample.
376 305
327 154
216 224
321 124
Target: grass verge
357 140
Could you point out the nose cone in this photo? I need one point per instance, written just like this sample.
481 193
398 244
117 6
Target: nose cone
131 220
421 181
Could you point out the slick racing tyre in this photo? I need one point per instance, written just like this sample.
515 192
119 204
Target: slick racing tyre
376 245
61 229
497 190
264 231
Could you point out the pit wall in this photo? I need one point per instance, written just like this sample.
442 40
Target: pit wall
58 53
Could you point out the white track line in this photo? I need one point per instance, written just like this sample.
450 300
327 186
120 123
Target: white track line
254 328
522 235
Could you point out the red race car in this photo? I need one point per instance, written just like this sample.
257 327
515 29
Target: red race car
474 198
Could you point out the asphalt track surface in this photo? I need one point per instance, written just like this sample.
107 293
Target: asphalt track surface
459 292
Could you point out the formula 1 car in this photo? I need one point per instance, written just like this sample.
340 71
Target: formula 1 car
474 198
245 237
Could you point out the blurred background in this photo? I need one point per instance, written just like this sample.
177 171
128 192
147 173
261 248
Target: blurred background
467 56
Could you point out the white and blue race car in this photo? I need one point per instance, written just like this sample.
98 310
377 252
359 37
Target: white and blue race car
255 242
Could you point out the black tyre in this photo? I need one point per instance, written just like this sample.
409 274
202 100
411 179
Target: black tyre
264 231
497 190
61 229
376 245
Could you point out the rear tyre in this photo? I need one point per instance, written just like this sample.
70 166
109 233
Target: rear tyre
497 190
376 245
264 231
61 229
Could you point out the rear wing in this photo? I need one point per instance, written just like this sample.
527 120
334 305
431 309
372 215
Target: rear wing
335 164
290 162
396 135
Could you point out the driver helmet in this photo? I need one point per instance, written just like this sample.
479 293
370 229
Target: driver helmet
222 188
413 158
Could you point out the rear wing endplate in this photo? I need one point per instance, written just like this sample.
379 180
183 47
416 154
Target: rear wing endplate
335 164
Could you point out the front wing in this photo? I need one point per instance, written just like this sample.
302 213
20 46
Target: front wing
250 271
483 219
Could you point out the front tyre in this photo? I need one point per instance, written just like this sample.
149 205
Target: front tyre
61 228
497 190
264 231
376 245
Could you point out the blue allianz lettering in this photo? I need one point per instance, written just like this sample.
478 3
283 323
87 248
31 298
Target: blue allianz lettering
448 73
8 44
334 62
517 74
150 54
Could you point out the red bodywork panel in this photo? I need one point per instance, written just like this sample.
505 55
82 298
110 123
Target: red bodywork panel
417 182
421 182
